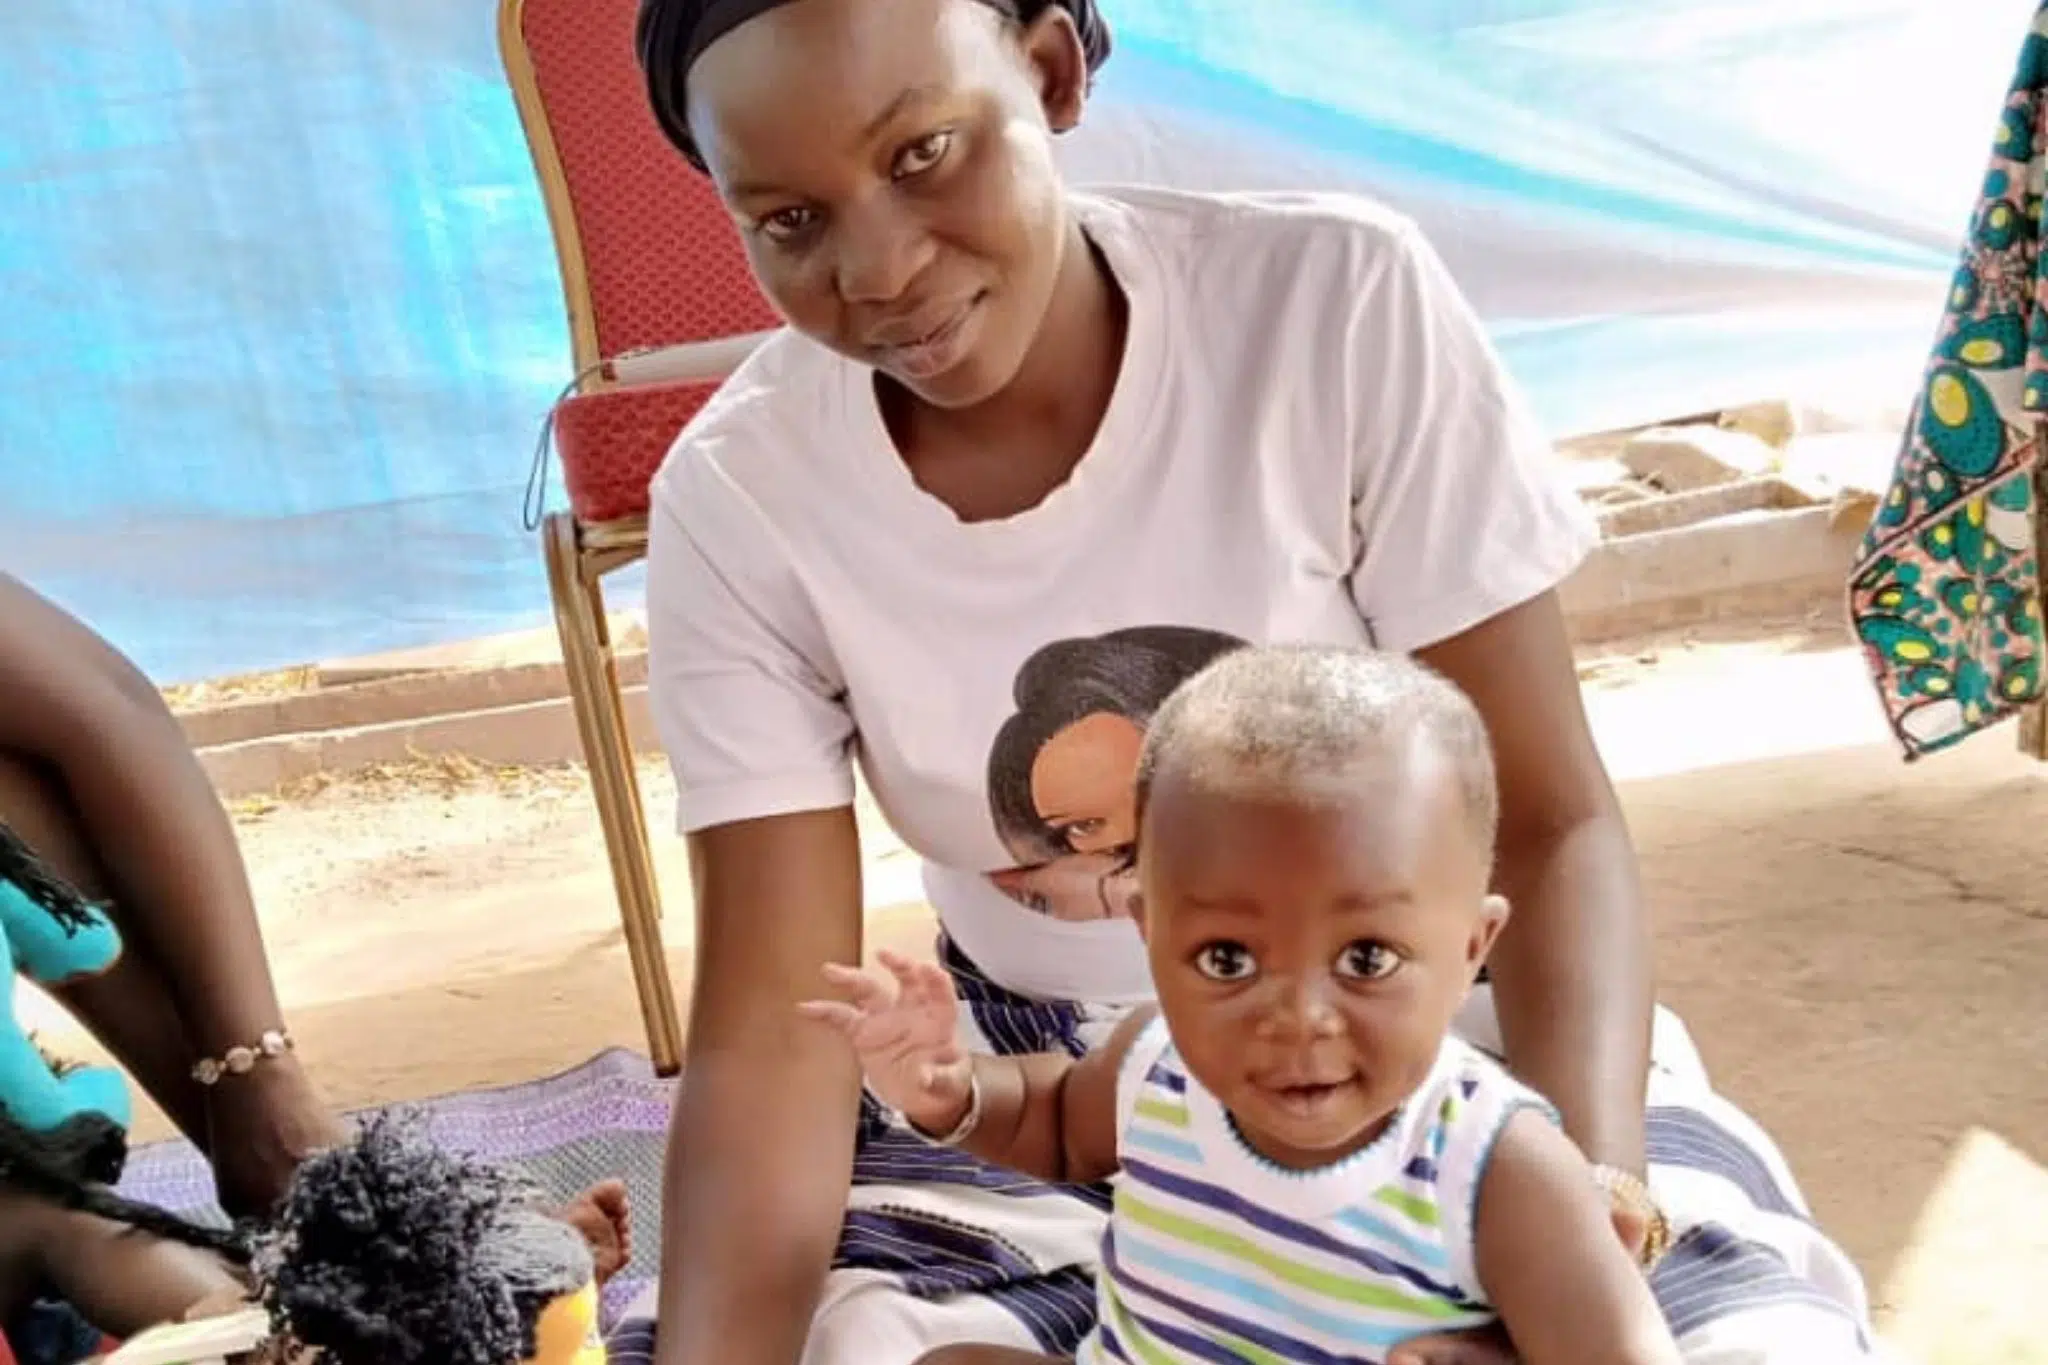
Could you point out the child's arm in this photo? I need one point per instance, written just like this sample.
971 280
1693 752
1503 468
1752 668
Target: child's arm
1567 1290
1051 1115
1047 1114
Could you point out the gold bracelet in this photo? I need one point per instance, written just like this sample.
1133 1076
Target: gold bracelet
240 1061
1627 1190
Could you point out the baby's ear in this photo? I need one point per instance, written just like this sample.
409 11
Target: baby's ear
1492 918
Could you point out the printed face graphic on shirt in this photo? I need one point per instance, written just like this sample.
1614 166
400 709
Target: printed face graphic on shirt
1063 769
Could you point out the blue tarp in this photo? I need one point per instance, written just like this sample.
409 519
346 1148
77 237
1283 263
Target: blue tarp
279 314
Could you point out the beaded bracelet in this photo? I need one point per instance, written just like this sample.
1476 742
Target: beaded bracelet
240 1061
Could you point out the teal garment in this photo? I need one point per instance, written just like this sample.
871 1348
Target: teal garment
70 1124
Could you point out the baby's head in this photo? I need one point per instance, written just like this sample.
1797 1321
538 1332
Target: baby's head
1314 853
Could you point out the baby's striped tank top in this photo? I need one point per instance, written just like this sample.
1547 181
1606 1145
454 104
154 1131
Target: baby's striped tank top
1214 1254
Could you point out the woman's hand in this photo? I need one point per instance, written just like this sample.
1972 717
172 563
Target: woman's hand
902 1027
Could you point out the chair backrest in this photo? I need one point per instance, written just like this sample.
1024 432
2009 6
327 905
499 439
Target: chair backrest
648 255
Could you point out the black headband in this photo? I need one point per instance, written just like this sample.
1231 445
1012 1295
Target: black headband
672 34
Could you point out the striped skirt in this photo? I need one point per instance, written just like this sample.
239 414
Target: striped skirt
939 1247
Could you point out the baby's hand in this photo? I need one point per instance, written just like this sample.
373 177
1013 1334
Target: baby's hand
902 1028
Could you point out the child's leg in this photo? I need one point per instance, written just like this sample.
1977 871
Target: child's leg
119 1280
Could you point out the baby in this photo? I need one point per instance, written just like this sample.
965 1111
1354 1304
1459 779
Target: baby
1311 1167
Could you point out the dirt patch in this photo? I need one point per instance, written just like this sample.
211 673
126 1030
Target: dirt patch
281 682
1710 648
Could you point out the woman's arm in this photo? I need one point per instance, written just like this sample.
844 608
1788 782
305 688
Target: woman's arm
80 710
761 1153
1572 970
1458 513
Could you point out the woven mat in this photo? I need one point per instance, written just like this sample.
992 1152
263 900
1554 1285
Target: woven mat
607 1118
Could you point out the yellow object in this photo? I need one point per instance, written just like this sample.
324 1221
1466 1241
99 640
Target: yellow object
567 1331
1949 400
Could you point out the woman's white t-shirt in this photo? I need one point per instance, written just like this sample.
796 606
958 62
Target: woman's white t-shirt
1311 439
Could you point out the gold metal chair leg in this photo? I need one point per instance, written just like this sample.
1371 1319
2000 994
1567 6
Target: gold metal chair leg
601 723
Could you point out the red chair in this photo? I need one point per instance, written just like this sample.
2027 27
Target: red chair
650 263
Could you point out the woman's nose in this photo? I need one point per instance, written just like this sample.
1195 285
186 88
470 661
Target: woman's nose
880 253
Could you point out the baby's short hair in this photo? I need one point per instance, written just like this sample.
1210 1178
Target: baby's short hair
1279 716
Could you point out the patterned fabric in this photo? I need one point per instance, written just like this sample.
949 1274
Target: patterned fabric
1945 595
1214 1253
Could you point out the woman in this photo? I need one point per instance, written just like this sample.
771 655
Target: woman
96 777
1009 416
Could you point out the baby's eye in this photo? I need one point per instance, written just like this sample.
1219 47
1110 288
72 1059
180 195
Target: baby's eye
783 224
1225 961
1367 960
923 154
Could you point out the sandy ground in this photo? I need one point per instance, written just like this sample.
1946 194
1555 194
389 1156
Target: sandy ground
1859 946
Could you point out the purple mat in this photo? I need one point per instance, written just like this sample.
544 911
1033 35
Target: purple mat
606 1119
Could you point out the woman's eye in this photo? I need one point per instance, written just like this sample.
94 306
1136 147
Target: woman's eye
1367 961
784 224
1225 961
1075 832
923 154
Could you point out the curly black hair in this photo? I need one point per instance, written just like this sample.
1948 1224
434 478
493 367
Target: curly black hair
46 1166
392 1251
